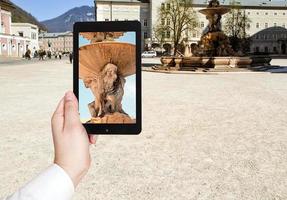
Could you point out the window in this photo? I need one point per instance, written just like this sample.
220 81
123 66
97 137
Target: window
202 24
257 25
20 33
145 22
162 21
266 13
283 25
168 6
266 25
275 13
257 13
266 49
107 20
248 13
194 34
126 20
284 13
162 6
257 49
116 19
248 26
33 36
275 24
168 34
168 22
145 35
275 49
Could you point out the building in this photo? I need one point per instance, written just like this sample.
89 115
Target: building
56 41
270 40
15 38
126 10
264 15
29 31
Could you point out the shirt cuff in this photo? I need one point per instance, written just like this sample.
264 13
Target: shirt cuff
54 183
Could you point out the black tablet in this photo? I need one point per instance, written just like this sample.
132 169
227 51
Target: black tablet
107 76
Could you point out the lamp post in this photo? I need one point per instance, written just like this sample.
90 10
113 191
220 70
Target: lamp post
95 6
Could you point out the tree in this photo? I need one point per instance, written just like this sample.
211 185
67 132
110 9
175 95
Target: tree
236 25
175 18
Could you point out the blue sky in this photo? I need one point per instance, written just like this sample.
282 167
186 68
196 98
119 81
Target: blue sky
48 9
129 99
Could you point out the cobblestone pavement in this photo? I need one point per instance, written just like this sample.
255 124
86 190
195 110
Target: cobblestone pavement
216 136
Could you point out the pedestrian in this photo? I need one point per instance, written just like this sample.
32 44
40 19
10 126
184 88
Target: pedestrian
60 55
49 54
71 57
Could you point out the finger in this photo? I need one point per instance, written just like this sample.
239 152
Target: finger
93 139
71 113
57 120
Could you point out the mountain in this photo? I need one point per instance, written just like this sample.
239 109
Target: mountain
21 16
66 21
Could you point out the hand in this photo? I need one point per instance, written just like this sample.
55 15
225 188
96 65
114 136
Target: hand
71 141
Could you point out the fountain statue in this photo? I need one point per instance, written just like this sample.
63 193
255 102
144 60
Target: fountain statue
213 41
214 49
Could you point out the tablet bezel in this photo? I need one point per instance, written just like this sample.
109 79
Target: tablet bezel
111 26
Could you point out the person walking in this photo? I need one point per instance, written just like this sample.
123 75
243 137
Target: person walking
60 55
71 57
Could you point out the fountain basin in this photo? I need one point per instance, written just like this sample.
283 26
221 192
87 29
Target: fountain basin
214 10
186 63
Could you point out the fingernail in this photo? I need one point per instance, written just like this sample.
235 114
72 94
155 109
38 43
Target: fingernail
69 96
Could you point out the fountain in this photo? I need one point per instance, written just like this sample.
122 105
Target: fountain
214 49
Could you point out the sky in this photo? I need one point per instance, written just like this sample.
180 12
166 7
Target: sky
49 9
129 98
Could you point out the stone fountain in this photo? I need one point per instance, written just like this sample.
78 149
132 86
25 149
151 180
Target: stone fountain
214 49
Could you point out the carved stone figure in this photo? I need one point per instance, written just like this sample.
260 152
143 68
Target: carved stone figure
108 89
213 3
103 68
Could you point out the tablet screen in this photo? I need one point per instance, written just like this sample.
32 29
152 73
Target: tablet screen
107 77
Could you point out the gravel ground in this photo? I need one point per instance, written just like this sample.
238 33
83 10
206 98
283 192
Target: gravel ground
205 136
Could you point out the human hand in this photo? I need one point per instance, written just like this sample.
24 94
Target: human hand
71 141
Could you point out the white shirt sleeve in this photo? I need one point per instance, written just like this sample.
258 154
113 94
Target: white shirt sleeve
52 184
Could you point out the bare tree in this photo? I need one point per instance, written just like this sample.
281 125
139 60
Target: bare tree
236 25
175 18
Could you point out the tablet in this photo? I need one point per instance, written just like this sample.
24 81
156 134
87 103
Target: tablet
107 76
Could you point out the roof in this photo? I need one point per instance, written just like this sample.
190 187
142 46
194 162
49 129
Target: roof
54 35
248 3
24 24
272 30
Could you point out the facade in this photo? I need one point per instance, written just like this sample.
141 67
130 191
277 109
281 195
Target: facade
56 41
263 15
271 40
12 43
126 10
27 30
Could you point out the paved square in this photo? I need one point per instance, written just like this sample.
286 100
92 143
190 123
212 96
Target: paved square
205 136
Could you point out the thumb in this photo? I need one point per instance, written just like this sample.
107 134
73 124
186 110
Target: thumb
71 111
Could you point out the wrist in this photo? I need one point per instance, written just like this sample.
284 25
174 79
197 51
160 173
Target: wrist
75 174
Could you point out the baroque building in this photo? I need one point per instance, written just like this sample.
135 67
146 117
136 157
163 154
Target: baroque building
56 41
267 27
15 38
